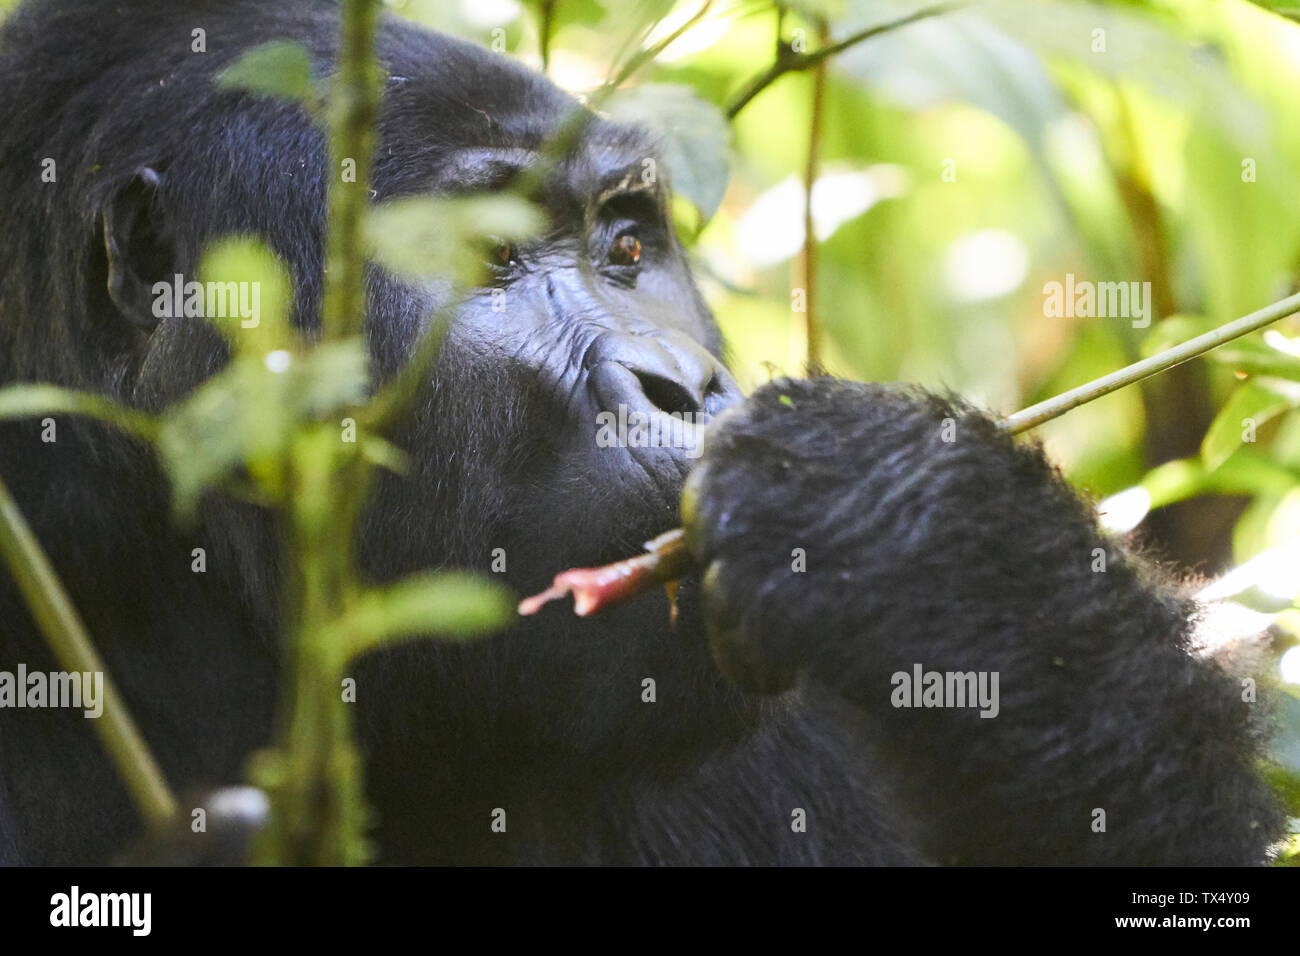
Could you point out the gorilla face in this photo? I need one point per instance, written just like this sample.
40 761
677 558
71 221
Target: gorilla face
598 315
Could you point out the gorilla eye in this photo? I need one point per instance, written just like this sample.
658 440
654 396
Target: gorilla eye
626 251
501 253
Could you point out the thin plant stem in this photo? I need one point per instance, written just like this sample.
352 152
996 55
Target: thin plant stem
354 107
789 62
1058 405
73 649
808 256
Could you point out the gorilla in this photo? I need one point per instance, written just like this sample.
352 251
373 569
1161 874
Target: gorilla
860 545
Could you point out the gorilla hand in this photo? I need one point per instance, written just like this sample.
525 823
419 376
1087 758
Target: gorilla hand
817 499
856 535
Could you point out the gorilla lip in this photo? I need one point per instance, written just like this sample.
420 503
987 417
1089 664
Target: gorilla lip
595 589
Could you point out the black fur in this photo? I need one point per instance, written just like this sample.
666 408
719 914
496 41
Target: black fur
969 555
933 538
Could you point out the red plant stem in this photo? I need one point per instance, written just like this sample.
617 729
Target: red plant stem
595 589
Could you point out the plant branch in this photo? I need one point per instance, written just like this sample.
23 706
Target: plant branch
808 257
649 53
58 619
39 400
1060 404
354 105
396 396
312 773
790 62
545 27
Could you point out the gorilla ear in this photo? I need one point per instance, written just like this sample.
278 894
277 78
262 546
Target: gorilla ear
140 251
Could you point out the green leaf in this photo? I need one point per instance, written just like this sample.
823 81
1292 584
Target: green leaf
1174 481
280 68
261 280
32 401
564 12
1250 355
1226 219
384 454
1245 472
333 377
447 605
423 237
1140 48
1252 404
694 137
244 417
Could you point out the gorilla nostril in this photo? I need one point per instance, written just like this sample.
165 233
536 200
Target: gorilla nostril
721 393
666 394
667 372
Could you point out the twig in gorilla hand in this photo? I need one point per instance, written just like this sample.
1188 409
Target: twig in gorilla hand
594 589
669 557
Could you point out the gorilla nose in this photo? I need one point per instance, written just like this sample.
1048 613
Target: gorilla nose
664 372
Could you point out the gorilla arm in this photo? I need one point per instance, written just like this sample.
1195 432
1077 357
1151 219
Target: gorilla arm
855 536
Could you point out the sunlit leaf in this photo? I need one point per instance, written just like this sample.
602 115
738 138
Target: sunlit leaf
1245 472
243 418
823 9
257 292
1131 44
564 12
959 57
1250 355
1267 582
1174 481
1251 405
